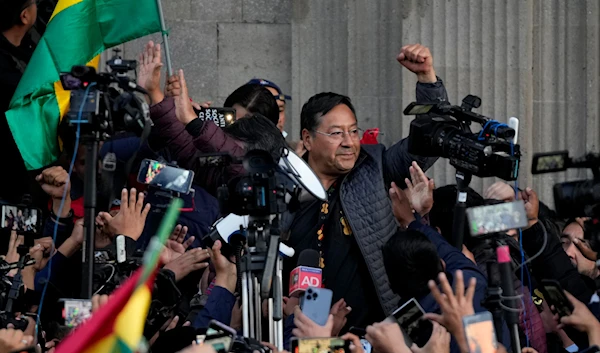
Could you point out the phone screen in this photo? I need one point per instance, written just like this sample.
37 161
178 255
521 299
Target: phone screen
497 218
165 177
22 219
554 294
479 330
550 162
76 311
410 318
320 345
219 336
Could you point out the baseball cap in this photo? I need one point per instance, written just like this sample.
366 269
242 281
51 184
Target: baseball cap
267 83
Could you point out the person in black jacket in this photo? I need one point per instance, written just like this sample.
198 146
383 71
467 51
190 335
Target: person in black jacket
350 228
16 19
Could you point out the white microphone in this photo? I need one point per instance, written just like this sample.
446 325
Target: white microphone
513 123
224 228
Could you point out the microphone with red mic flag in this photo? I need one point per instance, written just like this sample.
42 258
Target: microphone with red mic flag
307 273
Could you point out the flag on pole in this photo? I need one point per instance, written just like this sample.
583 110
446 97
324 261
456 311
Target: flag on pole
119 325
78 32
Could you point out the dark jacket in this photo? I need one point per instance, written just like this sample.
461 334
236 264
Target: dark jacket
366 204
186 143
13 61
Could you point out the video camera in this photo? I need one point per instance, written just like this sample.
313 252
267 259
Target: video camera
106 102
573 198
445 132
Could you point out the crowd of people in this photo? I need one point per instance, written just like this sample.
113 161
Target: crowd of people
382 234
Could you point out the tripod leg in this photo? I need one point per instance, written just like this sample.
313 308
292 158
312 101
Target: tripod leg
272 338
257 309
245 309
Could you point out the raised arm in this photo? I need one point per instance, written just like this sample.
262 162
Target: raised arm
430 88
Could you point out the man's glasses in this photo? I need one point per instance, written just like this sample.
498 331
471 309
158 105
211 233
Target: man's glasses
338 135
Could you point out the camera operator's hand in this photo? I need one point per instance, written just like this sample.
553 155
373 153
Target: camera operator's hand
439 342
176 246
183 106
454 305
70 246
55 182
13 243
12 340
12 254
417 58
150 64
500 191
225 269
189 262
386 337
355 344
131 217
401 206
583 320
532 205
419 190
41 252
339 311
305 327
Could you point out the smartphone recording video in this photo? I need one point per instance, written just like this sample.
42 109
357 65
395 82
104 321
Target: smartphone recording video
219 336
549 162
556 297
165 177
25 220
496 218
76 311
479 329
320 345
222 117
410 318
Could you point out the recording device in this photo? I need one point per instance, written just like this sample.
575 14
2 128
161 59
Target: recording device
361 333
106 102
165 177
573 198
222 117
479 330
25 220
320 345
75 311
410 318
555 295
445 132
484 220
219 336
316 304
307 273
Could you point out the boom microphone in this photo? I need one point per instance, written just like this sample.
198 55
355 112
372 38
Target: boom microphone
307 273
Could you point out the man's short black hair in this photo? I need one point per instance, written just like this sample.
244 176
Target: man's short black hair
11 12
257 100
258 133
319 105
410 261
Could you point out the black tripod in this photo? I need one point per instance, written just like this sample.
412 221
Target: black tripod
261 270
13 293
90 142
463 179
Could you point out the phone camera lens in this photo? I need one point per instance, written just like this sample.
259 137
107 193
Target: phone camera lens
315 295
308 297
309 291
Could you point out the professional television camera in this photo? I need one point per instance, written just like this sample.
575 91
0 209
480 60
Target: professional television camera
573 198
255 203
446 132
102 104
